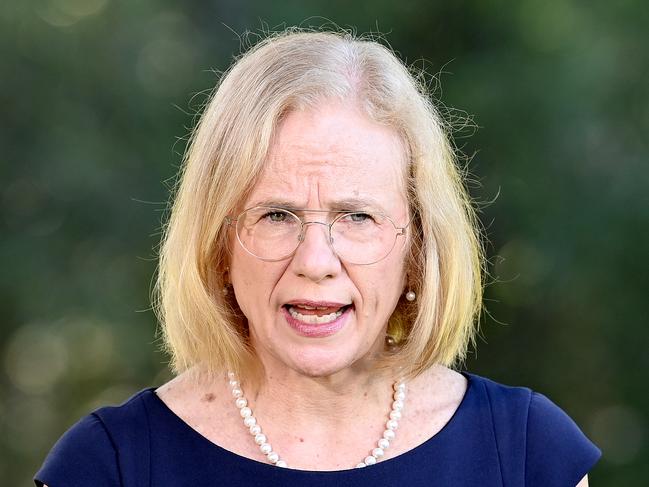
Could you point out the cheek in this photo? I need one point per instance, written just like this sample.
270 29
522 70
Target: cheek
254 282
242 273
381 289
392 282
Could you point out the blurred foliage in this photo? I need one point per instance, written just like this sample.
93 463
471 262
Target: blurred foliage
98 97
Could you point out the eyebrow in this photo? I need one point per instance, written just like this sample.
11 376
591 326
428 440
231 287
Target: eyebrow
354 204
345 204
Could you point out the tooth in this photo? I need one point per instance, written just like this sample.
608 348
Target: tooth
326 318
314 319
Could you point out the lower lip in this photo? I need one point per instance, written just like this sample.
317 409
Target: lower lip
319 330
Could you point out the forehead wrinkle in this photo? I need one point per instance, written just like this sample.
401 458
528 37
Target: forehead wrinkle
308 157
300 163
313 185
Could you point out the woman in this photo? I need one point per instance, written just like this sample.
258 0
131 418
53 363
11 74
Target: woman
320 274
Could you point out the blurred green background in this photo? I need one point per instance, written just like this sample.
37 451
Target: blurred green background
97 98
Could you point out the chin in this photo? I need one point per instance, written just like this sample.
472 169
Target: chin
321 363
345 349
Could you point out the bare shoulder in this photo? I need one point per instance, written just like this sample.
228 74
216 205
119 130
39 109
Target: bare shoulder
433 398
583 482
439 387
189 395
175 389
204 405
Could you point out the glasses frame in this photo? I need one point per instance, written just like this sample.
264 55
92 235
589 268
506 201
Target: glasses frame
399 231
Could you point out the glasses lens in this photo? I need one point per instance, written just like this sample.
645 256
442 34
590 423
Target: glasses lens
268 233
357 238
363 238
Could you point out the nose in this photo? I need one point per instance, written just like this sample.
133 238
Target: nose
314 257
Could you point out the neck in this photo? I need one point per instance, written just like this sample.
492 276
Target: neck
326 399
315 392
330 399
326 418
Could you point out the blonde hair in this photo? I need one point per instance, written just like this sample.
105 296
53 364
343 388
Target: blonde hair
295 70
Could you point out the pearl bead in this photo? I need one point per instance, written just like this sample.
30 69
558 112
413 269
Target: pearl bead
250 422
411 296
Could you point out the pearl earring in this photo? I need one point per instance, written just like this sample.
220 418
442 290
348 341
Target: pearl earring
411 296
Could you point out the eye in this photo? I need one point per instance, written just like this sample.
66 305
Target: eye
358 217
276 216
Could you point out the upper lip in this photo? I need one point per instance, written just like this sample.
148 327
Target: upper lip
316 304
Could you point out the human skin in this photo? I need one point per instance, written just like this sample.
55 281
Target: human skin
321 159
321 404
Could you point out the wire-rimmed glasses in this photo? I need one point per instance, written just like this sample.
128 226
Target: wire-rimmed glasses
356 237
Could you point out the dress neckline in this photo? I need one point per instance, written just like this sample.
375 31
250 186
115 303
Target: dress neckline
153 399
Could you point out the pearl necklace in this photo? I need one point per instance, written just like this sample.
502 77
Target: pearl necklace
249 421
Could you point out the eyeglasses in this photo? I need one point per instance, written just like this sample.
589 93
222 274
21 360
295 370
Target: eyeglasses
356 237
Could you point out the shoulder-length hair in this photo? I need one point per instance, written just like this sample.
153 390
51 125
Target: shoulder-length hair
201 324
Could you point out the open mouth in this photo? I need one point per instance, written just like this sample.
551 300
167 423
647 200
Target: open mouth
315 315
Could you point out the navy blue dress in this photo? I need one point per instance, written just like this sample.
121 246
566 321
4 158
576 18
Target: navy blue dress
499 436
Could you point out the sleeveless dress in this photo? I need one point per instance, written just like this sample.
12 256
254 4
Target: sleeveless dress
498 436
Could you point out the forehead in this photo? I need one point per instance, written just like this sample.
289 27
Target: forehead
331 154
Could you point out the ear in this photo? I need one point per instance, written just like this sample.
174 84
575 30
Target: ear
404 283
